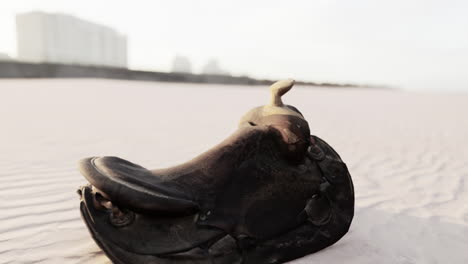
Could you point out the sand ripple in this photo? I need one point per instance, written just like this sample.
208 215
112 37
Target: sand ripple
407 153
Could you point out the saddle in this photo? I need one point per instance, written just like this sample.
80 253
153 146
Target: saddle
269 193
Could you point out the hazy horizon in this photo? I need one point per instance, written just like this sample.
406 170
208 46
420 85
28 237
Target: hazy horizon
418 45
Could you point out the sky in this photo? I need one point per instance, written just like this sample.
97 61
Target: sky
409 44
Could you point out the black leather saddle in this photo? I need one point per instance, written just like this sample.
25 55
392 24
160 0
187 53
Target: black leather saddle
269 193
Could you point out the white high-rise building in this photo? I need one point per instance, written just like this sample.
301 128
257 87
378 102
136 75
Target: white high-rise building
181 64
212 67
60 38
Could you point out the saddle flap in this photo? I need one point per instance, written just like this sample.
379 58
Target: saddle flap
146 234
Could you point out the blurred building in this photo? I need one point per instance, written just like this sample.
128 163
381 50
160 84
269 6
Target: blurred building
4 57
60 38
213 67
181 64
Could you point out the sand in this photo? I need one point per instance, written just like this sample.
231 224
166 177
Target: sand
407 154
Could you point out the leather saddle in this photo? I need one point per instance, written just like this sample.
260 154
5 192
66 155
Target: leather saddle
269 193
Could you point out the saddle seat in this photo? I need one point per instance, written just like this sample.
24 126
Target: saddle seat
133 186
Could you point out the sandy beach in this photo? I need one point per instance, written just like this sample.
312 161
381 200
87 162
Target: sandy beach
407 153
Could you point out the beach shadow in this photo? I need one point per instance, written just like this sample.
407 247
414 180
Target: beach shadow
378 236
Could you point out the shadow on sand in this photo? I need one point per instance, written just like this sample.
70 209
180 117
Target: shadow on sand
378 236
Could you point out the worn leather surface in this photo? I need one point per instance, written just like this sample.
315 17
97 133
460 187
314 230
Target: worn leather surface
269 193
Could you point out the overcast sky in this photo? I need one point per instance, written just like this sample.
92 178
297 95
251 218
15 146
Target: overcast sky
414 44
